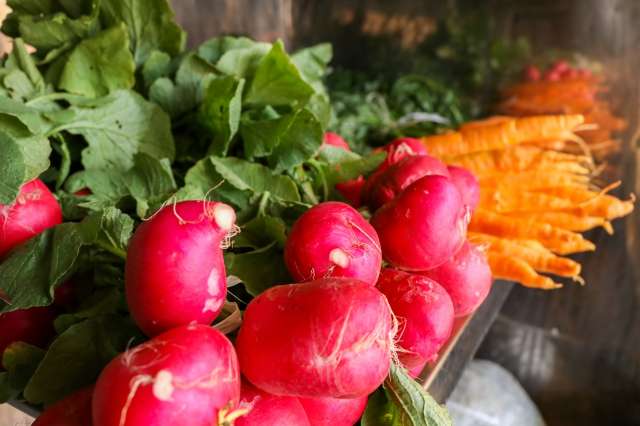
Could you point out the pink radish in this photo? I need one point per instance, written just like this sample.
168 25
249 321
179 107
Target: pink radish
467 184
351 190
327 338
466 277
187 375
336 140
334 411
266 409
34 210
333 240
33 326
402 174
175 271
401 148
423 226
74 410
425 312
417 369
396 150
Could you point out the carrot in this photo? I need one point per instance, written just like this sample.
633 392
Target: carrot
566 220
514 269
531 180
522 158
535 254
511 200
558 240
547 126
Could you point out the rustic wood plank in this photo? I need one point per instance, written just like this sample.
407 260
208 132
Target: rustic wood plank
265 20
441 377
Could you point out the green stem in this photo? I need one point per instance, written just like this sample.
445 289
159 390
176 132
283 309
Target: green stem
50 97
113 250
323 178
264 199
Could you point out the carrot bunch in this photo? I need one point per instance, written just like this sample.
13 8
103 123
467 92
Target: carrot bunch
563 89
535 200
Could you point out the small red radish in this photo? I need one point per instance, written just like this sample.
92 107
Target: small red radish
34 210
423 226
74 410
425 312
396 150
83 192
584 73
402 174
64 296
336 140
32 325
466 277
332 239
560 66
187 375
266 409
467 184
401 148
552 75
532 73
351 190
327 338
334 411
175 271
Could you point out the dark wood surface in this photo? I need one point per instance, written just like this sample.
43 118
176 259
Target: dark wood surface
443 377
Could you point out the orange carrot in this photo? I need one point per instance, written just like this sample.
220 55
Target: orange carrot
558 240
535 254
514 269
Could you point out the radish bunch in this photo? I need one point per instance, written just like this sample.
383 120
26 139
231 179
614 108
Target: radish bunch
307 353
421 209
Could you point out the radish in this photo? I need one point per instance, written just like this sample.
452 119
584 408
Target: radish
34 210
402 174
417 369
396 150
332 239
334 411
401 148
74 410
466 277
327 338
266 409
32 325
336 140
467 184
425 312
532 73
351 190
174 270
187 375
423 226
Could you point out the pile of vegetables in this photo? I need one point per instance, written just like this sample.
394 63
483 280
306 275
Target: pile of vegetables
182 238
568 87
534 200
